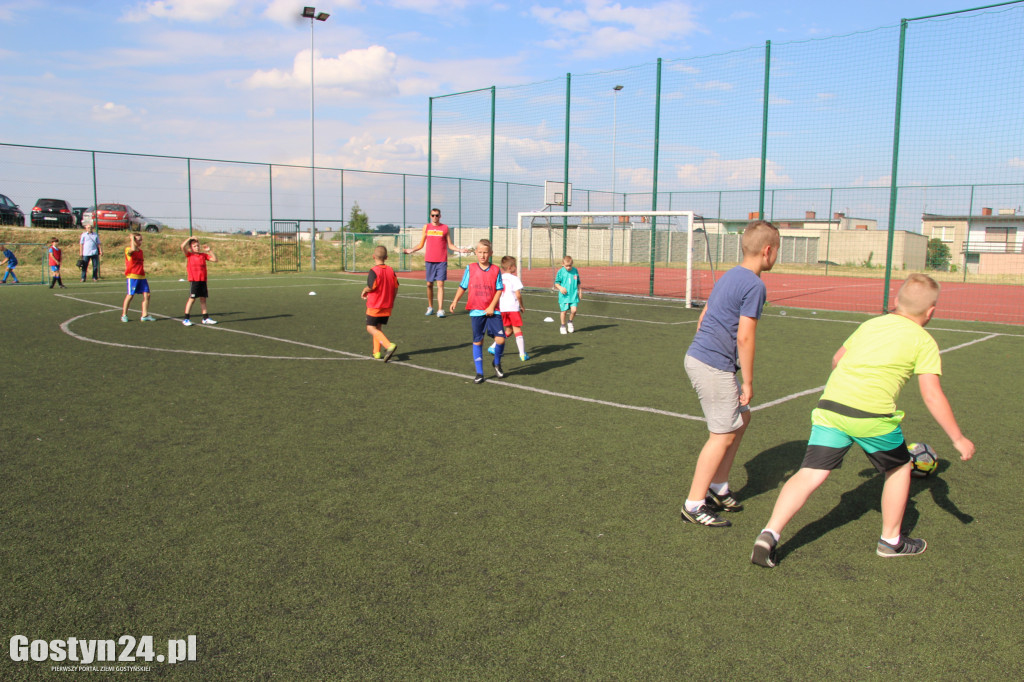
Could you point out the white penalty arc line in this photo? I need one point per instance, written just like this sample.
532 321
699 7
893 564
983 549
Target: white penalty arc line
66 328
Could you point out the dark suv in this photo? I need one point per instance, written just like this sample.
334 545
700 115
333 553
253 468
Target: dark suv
10 214
47 212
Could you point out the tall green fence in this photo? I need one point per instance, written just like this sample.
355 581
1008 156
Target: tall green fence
909 129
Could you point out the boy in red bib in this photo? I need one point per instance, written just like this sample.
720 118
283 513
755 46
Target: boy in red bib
483 282
379 294
55 257
195 269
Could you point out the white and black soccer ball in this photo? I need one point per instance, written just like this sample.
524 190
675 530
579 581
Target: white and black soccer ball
923 460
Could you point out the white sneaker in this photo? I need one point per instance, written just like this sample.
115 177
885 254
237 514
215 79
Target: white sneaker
430 311
187 323
570 327
440 313
561 330
209 320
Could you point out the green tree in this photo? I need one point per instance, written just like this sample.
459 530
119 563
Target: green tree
938 255
358 221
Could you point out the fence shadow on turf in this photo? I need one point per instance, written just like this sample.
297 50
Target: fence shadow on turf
866 497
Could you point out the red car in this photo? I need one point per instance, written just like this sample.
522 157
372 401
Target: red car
115 217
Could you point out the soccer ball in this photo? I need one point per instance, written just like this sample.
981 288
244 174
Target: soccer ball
923 460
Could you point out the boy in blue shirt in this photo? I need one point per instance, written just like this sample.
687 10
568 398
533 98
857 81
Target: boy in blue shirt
483 281
723 345
567 282
10 262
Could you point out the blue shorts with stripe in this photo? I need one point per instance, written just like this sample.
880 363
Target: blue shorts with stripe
137 286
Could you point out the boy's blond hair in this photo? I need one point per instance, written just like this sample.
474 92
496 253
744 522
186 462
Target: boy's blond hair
487 243
566 259
757 235
380 252
507 263
917 294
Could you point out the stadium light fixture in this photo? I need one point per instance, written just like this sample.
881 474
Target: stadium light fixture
311 14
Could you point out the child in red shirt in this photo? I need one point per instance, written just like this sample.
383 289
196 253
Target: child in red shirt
379 294
195 267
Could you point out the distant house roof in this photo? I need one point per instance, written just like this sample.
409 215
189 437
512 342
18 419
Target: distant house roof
994 218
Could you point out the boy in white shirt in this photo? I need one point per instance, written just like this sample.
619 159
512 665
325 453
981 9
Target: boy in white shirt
511 305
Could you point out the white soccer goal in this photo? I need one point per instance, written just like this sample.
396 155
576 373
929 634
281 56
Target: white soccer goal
639 253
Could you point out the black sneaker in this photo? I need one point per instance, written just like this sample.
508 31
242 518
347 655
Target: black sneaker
704 517
724 502
764 550
498 370
479 379
905 547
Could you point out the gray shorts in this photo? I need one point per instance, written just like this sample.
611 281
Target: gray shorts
719 394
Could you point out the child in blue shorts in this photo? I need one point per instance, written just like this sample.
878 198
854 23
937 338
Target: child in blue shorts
483 282
10 262
723 345
859 406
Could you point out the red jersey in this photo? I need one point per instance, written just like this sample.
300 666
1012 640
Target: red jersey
55 255
483 284
436 243
195 266
133 264
383 285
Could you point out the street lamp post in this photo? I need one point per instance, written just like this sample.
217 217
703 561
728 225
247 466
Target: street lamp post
611 231
311 14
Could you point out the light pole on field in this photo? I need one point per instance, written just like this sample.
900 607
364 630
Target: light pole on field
313 16
611 230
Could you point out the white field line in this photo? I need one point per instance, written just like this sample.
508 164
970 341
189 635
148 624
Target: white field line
567 396
65 327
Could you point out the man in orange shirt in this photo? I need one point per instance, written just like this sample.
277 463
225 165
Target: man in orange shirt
438 240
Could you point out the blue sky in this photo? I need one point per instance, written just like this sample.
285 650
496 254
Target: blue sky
229 79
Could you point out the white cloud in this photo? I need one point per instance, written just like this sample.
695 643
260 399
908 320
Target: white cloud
1016 162
110 112
713 85
430 6
733 173
369 70
181 10
603 28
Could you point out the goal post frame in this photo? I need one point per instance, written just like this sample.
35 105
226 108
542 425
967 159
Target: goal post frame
550 215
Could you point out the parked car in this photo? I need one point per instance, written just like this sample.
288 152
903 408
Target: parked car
79 211
144 223
52 212
10 214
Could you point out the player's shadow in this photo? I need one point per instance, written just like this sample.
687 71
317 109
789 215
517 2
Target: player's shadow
866 497
594 328
539 351
767 469
438 349
530 367
247 319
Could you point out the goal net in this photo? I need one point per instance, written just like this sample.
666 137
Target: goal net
652 253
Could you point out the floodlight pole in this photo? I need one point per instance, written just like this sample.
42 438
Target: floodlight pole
611 228
311 14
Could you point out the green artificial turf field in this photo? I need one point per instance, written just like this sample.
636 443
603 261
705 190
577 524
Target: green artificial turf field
306 512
